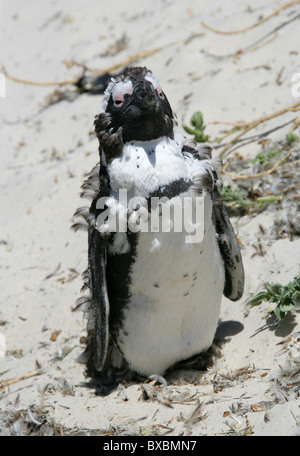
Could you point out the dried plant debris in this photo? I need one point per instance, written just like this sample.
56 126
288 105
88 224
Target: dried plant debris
237 415
284 297
6 383
93 81
261 21
239 427
93 84
153 393
195 417
36 421
223 380
33 421
168 396
269 180
240 409
287 376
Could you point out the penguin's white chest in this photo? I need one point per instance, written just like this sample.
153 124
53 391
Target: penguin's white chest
144 167
176 291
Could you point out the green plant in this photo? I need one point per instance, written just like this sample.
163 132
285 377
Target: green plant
231 195
291 137
197 127
285 296
264 158
235 199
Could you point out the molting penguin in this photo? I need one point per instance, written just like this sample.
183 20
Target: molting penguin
155 293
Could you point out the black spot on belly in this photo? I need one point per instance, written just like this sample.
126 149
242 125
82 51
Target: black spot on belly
186 274
186 293
156 285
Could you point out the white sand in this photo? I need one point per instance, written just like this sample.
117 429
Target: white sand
44 155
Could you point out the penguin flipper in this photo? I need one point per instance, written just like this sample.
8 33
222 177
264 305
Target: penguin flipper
228 243
99 307
230 250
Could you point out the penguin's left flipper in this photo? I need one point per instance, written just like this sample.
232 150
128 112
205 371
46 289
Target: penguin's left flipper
230 250
227 240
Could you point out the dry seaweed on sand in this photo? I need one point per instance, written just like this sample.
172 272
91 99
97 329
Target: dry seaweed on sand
285 380
256 24
266 181
245 127
87 81
265 39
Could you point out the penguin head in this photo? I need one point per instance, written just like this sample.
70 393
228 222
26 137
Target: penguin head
136 103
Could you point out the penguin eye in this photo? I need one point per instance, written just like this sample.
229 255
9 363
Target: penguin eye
119 91
156 86
160 93
118 101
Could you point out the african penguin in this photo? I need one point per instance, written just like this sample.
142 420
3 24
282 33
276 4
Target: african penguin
155 284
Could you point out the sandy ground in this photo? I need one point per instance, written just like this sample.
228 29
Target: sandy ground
45 151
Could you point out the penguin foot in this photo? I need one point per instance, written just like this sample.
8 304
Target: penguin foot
157 379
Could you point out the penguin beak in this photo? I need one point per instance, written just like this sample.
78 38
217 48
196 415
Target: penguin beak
144 95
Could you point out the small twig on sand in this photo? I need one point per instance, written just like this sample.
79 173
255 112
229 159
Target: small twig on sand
262 173
38 83
249 126
130 59
258 43
296 124
250 27
250 139
11 381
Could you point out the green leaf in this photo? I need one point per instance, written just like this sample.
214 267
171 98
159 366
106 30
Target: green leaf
197 120
278 313
286 307
259 298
